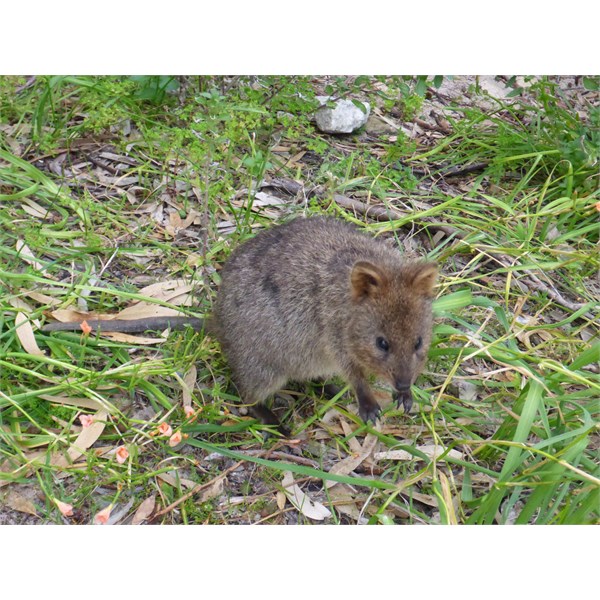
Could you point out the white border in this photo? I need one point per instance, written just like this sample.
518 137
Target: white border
309 37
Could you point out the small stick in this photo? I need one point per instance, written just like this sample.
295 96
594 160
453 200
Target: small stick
307 462
130 325
463 169
381 213
194 491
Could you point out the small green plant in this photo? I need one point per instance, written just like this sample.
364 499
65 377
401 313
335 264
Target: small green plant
154 88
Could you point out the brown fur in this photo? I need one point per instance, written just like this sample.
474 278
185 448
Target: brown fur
310 299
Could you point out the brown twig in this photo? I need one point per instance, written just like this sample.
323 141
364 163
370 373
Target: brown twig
463 169
130 325
425 125
195 490
100 163
553 293
307 462
381 213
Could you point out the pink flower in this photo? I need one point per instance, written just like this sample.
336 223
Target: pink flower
86 420
102 517
175 439
165 429
65 509
122 454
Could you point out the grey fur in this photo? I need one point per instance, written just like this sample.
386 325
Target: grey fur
309 299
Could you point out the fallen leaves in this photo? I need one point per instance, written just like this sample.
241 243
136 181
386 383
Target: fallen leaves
177 292
432 451
204 491
145 509
309 508
187 385
359 455
85 439
20 503
26 336
27 255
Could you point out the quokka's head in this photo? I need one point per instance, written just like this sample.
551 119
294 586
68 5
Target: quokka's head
390 328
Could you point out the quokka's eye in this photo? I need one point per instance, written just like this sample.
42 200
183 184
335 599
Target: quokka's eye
382 344
419 343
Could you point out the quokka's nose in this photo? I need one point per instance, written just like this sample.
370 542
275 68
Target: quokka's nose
402 385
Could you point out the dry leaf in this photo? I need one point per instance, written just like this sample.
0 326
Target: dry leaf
189 381
467 391
193 259
41 298
295 159
84 440
350 463
447 499
264 199
162 290
343 498
213 491
178 225
280 498
427 499
26 336
127 338
65 315
353 443
525 336
35 210
20 503
141 310
174 481
28 256
310 509
145 509
20 304
118 514
80 402
431 450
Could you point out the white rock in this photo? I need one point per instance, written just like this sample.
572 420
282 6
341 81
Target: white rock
345 117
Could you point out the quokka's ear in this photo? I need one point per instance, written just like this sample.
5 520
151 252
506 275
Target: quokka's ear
424 278
367 280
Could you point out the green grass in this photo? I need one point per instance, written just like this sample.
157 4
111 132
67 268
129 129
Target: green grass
108 185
